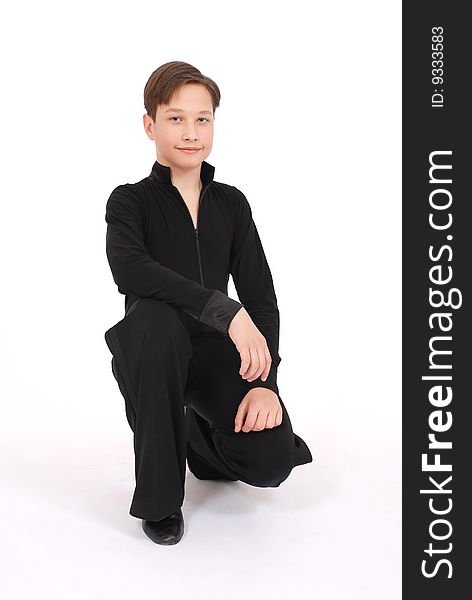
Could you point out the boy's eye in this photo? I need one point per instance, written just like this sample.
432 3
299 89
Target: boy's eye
180 117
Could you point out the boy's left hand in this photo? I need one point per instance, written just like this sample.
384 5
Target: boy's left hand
259 409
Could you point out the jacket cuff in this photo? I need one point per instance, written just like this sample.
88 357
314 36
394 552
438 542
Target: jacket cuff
219 311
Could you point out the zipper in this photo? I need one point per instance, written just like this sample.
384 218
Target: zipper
198 253
196 228
196 234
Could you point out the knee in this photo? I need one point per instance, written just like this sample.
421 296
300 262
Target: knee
156 316
271 463
268 475
150 311
153 328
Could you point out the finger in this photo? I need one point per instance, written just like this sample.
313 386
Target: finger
265 372
271 419
261 421
250 419
278 419
250 364
239 418
254 366
261 364
245 362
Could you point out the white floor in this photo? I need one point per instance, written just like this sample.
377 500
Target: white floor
332 530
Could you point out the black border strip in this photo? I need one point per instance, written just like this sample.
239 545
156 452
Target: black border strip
437 357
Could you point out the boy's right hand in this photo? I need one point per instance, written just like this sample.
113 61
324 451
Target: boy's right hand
251 345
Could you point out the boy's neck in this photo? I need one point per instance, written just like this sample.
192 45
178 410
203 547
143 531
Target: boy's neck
188 181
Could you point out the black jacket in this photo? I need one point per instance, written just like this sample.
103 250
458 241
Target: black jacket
154 251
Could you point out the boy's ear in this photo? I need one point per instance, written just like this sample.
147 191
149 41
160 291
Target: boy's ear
146 122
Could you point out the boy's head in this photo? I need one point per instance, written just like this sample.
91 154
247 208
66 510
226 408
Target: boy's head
178 85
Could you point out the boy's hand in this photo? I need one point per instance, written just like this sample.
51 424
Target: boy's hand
259 409
251 345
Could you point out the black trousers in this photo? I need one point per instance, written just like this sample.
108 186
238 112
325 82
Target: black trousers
181 385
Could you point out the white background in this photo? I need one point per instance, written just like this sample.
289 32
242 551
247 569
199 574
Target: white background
309 128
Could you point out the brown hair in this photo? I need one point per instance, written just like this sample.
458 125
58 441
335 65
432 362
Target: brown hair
168 78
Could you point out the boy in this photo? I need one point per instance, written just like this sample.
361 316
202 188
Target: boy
197 369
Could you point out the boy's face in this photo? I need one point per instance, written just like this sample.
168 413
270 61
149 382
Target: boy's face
191 126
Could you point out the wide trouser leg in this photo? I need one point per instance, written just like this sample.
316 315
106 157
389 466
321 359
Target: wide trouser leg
214 450
151 351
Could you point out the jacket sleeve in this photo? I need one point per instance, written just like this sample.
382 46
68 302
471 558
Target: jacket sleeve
136 272
253 282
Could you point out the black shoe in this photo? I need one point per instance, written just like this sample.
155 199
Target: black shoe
167 531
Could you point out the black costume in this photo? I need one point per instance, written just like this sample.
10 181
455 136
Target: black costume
175 364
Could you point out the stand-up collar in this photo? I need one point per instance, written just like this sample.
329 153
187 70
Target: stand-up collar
161 173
